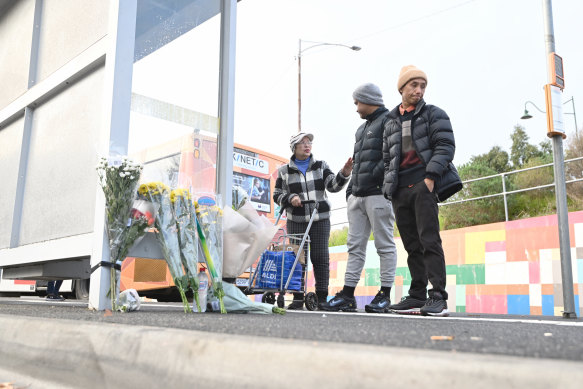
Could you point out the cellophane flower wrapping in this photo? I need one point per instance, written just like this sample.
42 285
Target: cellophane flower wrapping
118 178
237 302
210 232
239 197
167 235
185 216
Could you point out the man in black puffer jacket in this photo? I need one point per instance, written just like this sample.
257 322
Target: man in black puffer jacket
367 208
418 151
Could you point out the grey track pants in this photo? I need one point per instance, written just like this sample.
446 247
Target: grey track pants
366 213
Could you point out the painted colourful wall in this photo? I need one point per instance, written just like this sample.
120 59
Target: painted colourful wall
505 268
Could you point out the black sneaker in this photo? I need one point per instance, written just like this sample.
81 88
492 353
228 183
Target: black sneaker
379 304
435 306
340 302
296 306
52 297
408 306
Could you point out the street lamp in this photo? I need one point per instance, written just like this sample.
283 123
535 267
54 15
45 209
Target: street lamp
300 51
559 174
529 116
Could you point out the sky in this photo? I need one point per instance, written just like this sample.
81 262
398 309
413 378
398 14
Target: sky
483 58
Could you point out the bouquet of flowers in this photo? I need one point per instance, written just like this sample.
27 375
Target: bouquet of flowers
165 223
187 236
118 177
239 197
210 232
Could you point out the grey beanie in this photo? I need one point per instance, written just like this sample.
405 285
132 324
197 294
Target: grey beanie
368 94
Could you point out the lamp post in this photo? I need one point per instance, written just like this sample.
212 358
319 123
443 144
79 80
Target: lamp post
572 100
300 52
560 185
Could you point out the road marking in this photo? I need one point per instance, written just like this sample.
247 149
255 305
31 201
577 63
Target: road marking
178 306
567 322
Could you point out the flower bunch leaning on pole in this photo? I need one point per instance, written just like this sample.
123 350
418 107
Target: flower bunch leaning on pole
210 232
167 235
118 177
185 216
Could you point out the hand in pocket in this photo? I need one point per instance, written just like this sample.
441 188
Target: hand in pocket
429 183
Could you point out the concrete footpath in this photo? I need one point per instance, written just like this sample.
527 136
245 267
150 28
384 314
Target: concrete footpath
45 353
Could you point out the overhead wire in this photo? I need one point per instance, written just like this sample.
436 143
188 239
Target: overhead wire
367 36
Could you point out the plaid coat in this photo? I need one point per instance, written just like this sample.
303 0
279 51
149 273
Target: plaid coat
319 178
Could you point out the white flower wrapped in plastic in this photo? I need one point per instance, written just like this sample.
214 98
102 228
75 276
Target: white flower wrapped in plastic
118 177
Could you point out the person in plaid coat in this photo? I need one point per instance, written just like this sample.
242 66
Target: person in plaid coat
306 178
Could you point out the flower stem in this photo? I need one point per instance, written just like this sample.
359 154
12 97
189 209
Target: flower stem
197 301
222 304
278 310
112 288
187 308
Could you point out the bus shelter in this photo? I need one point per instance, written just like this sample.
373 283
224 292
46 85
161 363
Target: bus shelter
84 79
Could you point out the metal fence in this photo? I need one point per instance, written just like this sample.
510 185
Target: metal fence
504 193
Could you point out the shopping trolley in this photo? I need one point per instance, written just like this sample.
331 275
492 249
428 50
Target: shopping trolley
278 267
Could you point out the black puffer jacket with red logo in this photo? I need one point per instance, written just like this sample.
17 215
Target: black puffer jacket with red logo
433 140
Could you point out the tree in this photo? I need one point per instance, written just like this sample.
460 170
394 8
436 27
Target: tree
535 202
496 158
546 148
522 151
496 161
489 210
574 170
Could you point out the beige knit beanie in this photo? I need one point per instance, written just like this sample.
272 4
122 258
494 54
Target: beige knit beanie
408 73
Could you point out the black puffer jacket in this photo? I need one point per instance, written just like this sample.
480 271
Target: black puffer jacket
434 142
368 168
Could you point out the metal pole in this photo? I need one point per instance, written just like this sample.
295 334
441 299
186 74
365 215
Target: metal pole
504 193
560 188
224 171
114 138
300 86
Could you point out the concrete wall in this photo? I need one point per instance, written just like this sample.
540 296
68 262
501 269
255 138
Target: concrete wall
54 197
16 23
62 162
10 144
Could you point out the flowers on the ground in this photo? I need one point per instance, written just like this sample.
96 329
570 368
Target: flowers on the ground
210 232
118 177
184 214
165 223
237 302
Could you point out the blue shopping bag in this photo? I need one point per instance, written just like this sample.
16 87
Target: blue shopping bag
270 270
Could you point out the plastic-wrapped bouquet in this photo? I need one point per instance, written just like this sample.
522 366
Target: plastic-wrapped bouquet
118 177
239 197
184 213
210 231
159 194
